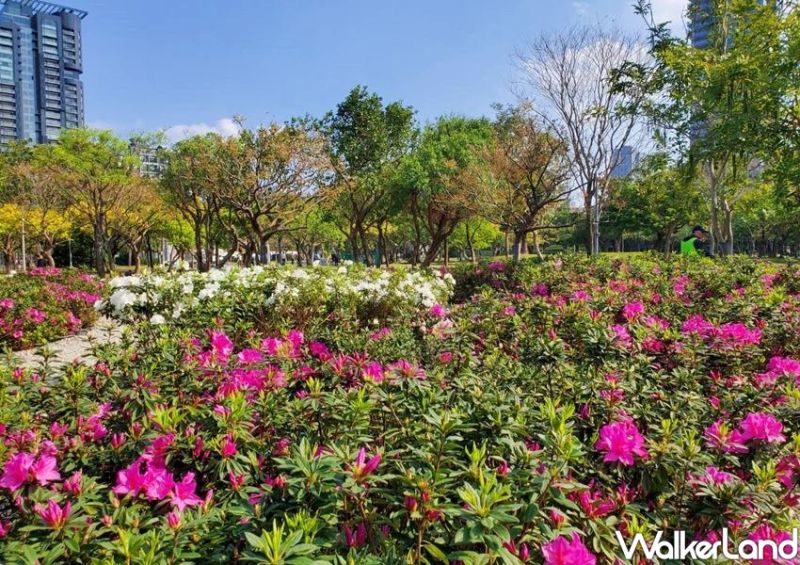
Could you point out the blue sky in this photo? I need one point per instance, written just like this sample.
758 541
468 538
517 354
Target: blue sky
190 65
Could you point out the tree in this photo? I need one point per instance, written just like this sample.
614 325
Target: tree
132 226
568 77
268 177
474 234
314 231
440 180
29 185
10 232
189 185
732 99
366 140
531 166
95 171
175 230
658 199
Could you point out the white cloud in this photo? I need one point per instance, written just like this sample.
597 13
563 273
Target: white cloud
669 10
224 126
100 124
581 8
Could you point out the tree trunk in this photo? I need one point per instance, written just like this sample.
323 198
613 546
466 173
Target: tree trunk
99 246
150 254
587 211
198 245
137 260
596 227
352 240
381 244
365 244
519 241
536 247
47 251
727 228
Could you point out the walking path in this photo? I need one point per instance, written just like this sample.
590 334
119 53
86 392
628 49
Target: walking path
73 347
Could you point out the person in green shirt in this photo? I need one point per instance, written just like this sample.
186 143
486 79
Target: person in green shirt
694 243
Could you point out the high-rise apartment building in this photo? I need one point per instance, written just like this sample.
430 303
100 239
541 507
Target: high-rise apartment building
701 16
627 159
41 62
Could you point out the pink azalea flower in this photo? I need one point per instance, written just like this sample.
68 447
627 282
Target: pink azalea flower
174 520
438 311
319 350
540 289
236 480
580 296
281 448
363 468
158 482
57 430
156 452
594 504
718 436
562 551
228 447
73 484
762 427
632 310
357 538
621 441
221 346
698 325
15 472
737 335
184 493
784 365
373 371
622 334
655 322
23 467
130 480
54 516
765 532
679 286
503 469
249 356
36 316
296 338
271 345
380 334
117 440
714 476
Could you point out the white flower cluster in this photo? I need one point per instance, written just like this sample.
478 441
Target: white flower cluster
161 297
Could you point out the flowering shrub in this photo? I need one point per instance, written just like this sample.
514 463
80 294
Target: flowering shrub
269 298
525 424
44 305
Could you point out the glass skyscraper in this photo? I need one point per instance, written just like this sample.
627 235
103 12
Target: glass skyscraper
41 62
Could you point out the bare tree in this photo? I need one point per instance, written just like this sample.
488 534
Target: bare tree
568 77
